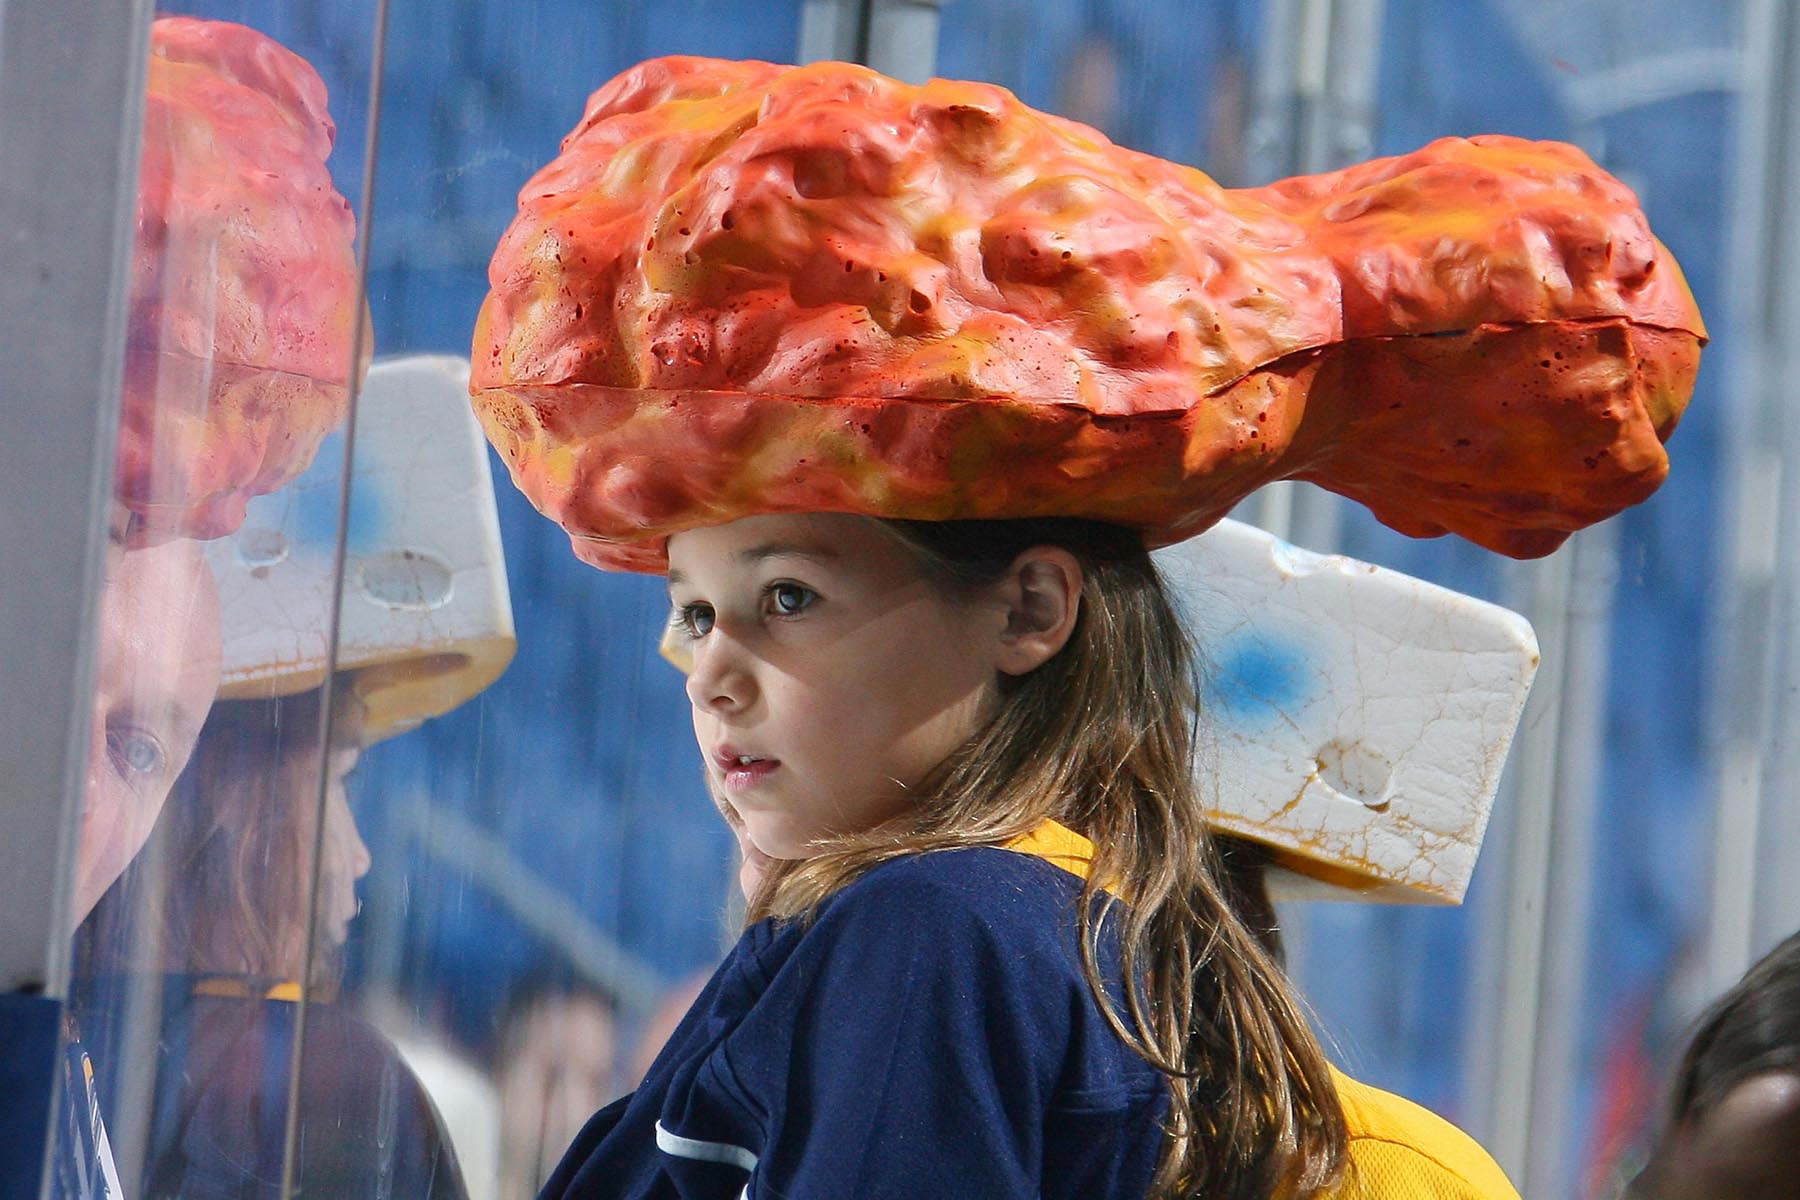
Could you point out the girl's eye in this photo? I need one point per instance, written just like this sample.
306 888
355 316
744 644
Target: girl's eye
790 598
135 754
694 620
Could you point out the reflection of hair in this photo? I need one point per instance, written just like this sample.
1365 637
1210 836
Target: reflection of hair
1100 738
240 838
1752 1029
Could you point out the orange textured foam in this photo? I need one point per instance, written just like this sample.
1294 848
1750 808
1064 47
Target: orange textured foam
745 288
243 294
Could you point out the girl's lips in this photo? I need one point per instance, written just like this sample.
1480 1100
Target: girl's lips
741 769
740 776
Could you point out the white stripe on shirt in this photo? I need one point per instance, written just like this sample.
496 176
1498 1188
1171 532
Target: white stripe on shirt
698 1151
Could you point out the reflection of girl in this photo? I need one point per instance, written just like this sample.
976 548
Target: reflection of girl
156 671
237 849
241 835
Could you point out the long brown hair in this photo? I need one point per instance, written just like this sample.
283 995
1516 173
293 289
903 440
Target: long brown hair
1101 739
239 840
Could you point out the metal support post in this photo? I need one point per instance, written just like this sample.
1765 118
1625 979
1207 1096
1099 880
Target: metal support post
1524 1025
1753 718
71 115
1510 950
1554 1045
1313 109
896 37
71 111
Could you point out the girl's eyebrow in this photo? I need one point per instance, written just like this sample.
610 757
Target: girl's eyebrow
787 550
756 554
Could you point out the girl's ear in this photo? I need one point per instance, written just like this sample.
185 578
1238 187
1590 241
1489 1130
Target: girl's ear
1041 593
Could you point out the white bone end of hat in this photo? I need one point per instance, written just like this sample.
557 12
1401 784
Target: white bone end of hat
1354 719
427 619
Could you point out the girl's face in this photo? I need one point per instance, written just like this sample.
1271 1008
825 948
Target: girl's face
346 857
829 676
158 667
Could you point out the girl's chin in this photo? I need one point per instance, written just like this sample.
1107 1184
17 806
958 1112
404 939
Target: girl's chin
770 840
755 858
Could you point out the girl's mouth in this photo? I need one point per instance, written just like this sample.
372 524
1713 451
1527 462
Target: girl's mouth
743 774
744 771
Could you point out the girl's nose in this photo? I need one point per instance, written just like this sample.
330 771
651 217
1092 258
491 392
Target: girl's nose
360 861
720 681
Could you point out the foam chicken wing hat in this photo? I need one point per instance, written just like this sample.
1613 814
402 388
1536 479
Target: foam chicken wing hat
244 300
745 288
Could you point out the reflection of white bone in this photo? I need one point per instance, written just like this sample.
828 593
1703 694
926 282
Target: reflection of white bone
427 621
1356 719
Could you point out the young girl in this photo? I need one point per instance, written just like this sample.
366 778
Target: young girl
896 384
914 719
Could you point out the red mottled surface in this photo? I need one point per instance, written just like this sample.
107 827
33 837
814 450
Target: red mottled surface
243 293
748 288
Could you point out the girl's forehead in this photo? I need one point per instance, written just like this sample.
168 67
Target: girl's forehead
833 540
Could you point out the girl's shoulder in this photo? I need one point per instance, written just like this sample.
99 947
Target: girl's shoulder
933 922
980 895
939 992
983 874
972 950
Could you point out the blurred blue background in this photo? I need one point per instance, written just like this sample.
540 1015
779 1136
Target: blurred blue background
579 762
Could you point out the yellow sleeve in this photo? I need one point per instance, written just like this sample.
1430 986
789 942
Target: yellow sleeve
1400 1151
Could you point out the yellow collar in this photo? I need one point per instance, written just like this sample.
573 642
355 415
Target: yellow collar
1059 846
237 989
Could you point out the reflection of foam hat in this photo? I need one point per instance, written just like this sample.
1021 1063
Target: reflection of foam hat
744 288
243 291
427 621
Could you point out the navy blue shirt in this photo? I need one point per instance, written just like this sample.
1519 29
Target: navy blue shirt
220 1089
930 1034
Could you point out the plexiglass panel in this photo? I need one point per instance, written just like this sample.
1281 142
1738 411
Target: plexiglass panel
399 862
549 881
202 831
